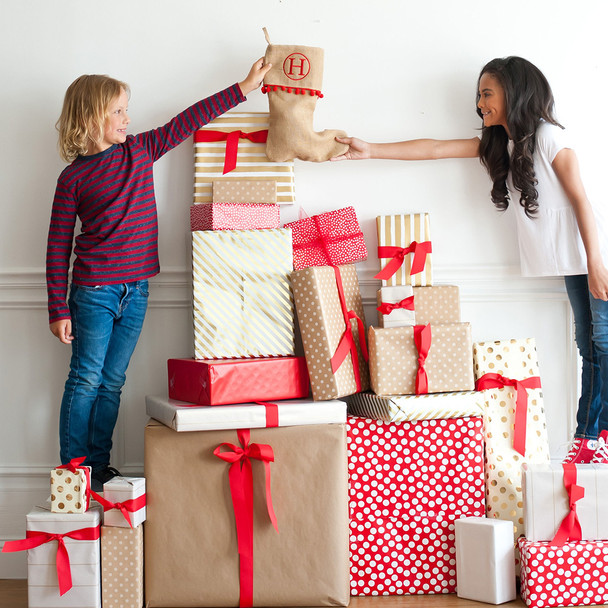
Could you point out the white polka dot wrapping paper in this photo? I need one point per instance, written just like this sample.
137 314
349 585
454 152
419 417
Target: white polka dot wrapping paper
242 191
575 574
234 216
408 483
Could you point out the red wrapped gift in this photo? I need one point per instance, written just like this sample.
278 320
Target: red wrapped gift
574 574
227 381
328 239
234 216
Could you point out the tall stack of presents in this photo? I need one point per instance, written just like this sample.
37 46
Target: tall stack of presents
401 459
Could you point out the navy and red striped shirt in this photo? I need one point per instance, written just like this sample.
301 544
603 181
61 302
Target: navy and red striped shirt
112 193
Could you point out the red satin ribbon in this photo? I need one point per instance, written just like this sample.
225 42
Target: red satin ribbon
347 342
570 528
35 539
521 387
420 251
272 413
241 489
422 339
232 142
126 507
406 304
73 467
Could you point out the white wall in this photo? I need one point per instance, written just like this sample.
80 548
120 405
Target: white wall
394 69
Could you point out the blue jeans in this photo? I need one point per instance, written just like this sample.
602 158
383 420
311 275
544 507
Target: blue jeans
106 323
591 333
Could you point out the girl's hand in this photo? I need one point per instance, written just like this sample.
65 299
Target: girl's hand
62 329
255 77
357 149
598 282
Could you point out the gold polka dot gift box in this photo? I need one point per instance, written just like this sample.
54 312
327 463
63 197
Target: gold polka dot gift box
514 419
70 487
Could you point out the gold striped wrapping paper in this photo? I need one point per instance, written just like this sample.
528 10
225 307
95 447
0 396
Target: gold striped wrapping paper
242 299
401 231
252 162
400 408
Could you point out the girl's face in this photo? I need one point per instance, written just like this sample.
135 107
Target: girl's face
492 102
115 131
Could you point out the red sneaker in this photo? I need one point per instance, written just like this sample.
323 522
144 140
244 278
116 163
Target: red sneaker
601 452
581 450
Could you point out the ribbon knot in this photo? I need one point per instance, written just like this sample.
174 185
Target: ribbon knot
386 308
232 142
422 340
419 251
570 528
74 464
126 507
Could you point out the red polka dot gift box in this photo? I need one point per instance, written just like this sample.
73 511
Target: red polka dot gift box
408 483
575 574
234 216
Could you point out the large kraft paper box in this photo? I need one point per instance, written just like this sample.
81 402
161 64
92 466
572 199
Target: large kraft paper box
322 326
191 548
393 359
242 299
251 161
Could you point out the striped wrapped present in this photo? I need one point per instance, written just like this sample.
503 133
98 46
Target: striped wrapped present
243 305
238 139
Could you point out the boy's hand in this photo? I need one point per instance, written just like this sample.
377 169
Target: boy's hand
255 77
357 149
62 329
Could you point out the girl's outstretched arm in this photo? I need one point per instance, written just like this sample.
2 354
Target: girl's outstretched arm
565 165
415 149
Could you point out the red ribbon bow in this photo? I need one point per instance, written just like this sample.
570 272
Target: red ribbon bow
570 528
406 304
35 539
521 387
232 142
347 341
422 339
241 489
420 251
126 507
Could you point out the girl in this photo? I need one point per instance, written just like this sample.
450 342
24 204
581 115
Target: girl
109 187
527 155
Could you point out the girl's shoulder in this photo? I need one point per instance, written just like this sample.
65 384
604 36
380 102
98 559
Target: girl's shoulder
550 139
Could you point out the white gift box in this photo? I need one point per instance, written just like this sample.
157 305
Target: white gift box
121 489
84 555
546 500
398 317
485 560
182 416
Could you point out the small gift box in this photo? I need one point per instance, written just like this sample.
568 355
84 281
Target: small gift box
234 144
124 502
333 238
485 560
421 359
245 191
70 487
234 216
404 249
208 382
396 306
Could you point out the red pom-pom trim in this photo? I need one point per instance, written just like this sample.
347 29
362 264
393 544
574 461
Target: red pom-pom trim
295 91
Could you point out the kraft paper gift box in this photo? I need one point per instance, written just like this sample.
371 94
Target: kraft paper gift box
213 155
404 249
184 417
243 191
243 305
70 487
80 535
437 304
399 408
547 500
333 238
325 297
572 575
408 483
394 359
485 560
395 306
130 493
122 567
234 216
507 423
209 382
191 551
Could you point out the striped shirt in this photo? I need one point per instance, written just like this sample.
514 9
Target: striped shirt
112 193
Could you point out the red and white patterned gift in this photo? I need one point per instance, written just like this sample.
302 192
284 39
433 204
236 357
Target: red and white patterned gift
575 574
328 239
408 483
234 216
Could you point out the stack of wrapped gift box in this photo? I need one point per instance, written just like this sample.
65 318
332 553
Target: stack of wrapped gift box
84 549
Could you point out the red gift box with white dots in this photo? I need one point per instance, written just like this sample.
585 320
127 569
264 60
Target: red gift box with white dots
408 483
575 574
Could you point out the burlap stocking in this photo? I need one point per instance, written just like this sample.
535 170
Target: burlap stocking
293 85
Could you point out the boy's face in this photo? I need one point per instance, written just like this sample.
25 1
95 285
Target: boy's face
115 131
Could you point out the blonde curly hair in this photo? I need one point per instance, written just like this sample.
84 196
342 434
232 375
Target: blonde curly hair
85 112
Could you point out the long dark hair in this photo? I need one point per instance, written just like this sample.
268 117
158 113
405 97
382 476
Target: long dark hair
528 99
